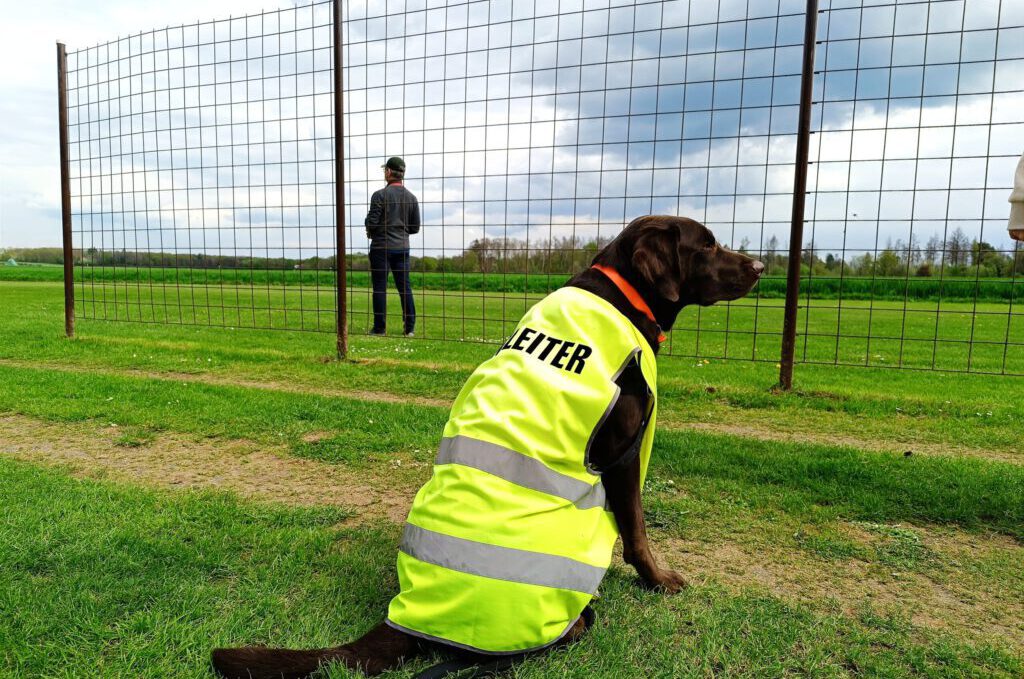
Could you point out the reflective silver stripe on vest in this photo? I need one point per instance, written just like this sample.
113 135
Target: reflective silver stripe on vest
500 563
519 469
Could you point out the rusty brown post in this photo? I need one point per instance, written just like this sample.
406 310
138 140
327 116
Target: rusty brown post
65 191
339 186
796 231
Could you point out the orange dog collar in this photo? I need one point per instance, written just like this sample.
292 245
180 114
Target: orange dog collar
631 294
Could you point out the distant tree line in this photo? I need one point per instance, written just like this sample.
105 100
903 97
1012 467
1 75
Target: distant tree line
955 255
156 259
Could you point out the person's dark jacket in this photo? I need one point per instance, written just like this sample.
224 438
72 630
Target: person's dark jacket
394 215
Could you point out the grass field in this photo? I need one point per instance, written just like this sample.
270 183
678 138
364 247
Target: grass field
168 489
967 287
869 326
981 337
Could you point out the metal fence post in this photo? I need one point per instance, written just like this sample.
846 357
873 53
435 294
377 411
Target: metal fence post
65 191
796 230
339 186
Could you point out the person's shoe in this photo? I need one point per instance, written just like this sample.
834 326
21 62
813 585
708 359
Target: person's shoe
379 333
410 334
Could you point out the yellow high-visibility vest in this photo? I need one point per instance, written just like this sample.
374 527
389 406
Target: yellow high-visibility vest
510 538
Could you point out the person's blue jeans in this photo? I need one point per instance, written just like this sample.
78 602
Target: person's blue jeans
397 261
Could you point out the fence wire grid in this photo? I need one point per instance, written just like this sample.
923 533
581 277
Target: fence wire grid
202 173
203 168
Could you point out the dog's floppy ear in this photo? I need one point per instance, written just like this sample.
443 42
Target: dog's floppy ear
656 258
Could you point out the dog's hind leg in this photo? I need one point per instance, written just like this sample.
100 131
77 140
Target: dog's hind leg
380 649
579 628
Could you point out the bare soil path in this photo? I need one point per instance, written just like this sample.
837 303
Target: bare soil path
727 420
949 597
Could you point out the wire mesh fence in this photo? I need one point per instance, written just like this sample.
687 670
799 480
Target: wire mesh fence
919 122
202 181
535 131
203 168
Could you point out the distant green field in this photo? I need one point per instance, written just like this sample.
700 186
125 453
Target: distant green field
1007 290
983 336
31 272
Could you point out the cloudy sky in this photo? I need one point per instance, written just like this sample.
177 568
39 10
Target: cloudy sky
515 121
29 160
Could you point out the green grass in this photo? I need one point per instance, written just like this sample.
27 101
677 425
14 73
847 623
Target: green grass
107 579
803 480
829 545
948 335
224 411
820 482
909 407
114 581
32 272
100 580
900 547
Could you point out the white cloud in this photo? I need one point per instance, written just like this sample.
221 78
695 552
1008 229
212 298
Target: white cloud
476 176
29 153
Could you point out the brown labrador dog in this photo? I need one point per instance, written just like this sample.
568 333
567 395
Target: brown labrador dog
673 262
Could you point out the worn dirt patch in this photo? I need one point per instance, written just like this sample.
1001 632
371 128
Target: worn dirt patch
225 381
316 436
949 596
135 341
746 429
176 461
940 598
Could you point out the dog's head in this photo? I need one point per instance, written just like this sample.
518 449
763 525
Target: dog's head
681 260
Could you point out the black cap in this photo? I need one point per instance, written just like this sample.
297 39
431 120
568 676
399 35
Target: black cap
395 163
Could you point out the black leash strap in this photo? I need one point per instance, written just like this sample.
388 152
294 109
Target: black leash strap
458 668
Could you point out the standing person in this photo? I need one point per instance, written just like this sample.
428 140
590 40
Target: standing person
1016 223
394 215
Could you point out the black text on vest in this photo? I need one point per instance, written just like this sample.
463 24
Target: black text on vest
563 354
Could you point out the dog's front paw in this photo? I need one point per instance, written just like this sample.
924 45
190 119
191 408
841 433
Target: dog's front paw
666 581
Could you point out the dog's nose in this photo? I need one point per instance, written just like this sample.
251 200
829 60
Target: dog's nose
758 267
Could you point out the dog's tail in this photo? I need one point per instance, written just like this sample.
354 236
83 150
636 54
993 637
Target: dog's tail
257 662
